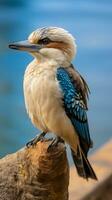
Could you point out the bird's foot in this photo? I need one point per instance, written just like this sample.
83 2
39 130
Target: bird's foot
55 143
35 140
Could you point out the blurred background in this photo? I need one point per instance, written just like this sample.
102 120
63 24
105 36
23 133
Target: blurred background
90 21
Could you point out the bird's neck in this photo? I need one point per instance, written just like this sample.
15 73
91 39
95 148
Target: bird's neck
38 66
53 56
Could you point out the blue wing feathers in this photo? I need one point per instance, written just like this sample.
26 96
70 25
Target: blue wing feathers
74 105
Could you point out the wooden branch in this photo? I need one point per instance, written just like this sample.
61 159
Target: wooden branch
35 174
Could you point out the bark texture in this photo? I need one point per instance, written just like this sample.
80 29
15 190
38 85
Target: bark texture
35 174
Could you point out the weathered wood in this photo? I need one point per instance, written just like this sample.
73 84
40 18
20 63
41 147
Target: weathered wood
35 174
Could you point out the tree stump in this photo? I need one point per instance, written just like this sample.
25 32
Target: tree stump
35 174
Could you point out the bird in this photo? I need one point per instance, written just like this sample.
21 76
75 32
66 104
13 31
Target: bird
56 95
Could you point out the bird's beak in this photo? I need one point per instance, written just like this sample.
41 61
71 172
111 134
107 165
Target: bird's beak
25 46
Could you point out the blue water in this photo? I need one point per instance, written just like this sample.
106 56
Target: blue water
91 23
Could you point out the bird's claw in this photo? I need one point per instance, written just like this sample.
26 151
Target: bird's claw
30 143
37 139
55 143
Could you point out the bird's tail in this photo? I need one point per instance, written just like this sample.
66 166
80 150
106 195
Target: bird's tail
82 164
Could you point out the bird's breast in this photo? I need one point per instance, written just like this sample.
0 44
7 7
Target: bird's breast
41 91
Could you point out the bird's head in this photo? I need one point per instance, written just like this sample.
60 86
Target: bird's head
51 43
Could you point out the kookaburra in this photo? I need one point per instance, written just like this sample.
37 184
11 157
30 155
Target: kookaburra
56 94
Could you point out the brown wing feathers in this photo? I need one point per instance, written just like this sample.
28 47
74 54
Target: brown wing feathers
80 83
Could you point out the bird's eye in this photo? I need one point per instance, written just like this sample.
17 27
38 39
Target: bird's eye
44 41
